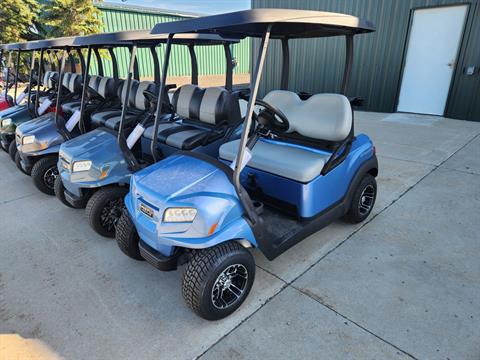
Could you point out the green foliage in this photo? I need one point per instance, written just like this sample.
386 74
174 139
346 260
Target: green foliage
70 18
16 20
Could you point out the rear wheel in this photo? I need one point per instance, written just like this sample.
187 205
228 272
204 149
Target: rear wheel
12 150
105 208
363 200
60 192
44 173
127 237
217 280
18 162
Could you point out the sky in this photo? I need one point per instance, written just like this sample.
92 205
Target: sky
196 6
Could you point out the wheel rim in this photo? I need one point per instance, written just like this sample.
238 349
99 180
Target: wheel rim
229 286
366 200
111 212
50 176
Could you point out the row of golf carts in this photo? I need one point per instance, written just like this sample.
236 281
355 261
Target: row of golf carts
184 175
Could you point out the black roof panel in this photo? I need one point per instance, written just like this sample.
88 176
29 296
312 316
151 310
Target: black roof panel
145 36
287 23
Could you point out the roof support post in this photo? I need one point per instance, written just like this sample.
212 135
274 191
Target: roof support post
99 61
86 81
61 126
348 63
248 120
30 78
161 95
17 70
156 65
9 60
40 73
114 63
122 141
229 64
194 63
285 64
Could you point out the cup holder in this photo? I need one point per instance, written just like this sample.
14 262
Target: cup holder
258 206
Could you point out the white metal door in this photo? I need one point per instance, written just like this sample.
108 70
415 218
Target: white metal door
433 45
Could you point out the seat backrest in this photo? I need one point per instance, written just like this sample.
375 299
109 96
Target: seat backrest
136 97
322 116
105 86
72 82
210 106
47 79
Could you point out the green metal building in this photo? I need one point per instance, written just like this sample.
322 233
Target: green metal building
423 58
211 60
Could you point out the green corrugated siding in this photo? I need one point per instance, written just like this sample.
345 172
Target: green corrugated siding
317 65
211 59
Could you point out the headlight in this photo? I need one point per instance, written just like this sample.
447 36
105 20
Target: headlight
6 122
84 165
184 214
29 139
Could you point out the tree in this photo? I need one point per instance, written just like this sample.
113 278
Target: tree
70 18
17 20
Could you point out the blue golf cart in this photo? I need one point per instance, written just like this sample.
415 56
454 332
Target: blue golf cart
20 111
95 168
297 167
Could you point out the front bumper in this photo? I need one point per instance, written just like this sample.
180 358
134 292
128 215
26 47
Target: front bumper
77 201
27 162
157 259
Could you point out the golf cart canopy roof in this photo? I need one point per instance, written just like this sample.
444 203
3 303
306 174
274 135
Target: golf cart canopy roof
13 46
286 23
139 36
57 43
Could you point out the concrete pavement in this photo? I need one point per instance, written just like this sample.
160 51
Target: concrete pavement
404 284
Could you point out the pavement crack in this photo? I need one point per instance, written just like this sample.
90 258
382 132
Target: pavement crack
319 300
15 199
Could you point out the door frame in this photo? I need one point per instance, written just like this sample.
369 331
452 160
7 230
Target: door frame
461 44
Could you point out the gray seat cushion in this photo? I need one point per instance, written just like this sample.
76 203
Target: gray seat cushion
71 106
281 159
100 118
180 136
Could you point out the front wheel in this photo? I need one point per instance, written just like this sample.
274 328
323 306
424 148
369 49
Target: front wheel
44 173
127 237
12 150
217 280
363 200
105 208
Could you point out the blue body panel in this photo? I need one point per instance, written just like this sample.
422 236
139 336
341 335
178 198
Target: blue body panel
323 191
184 181
100 147
47 137
12 111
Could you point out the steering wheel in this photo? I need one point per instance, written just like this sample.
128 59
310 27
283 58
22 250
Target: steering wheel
271 117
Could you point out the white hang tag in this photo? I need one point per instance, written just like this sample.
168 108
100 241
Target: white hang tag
74 119
247 156
20 98
2 94
135 135
44 106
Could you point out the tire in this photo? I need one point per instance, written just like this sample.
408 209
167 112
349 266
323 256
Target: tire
44 173
363 200
19 165
203 273
4 148
12 150
60 192
105 208
127 237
